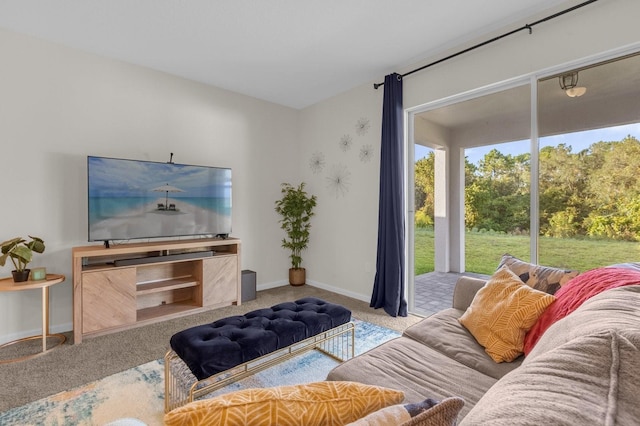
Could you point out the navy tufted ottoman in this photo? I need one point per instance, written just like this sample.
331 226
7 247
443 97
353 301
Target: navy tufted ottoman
231 348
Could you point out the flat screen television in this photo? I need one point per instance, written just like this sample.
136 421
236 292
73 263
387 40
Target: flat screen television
133 199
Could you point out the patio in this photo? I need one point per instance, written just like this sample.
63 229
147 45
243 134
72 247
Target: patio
434 290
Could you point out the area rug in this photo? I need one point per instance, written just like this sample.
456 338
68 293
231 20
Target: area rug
139 392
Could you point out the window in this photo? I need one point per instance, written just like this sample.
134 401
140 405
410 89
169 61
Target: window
569 197
589 180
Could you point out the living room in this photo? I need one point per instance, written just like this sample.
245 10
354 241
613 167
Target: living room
61 105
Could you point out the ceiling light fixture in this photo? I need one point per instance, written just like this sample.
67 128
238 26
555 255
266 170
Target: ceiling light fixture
569 83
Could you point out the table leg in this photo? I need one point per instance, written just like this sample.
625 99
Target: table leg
45 317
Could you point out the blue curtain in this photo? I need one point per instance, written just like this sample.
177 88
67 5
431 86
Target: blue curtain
388 288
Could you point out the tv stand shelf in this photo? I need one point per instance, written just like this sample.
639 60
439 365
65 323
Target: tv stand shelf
156 287
129 285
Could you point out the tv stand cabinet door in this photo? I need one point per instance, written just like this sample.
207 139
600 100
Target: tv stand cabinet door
220 280
108 299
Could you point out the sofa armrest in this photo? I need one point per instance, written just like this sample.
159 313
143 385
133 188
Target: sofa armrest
465 290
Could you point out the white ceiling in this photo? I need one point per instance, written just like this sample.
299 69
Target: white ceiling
290 52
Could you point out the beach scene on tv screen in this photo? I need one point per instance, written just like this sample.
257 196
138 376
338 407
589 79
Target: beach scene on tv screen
131 199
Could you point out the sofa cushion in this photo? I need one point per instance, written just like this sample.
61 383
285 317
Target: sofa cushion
465 290
575 293
502 312
311 404
543 278
443 332
410 366
426 413
592 379
615 309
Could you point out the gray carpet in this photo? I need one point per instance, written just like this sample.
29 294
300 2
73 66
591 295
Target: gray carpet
71 365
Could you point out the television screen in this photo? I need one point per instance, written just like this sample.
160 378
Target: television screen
131 199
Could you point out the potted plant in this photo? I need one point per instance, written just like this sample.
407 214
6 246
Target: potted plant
21 252
296 209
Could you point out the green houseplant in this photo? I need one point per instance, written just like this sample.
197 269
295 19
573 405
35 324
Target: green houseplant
20 252
296 209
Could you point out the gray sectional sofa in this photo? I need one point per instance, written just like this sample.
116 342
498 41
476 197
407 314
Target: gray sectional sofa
584 370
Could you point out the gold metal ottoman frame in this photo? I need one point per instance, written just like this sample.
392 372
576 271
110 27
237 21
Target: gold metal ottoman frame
182 387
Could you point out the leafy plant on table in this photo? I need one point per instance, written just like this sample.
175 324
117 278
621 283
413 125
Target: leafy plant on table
20 251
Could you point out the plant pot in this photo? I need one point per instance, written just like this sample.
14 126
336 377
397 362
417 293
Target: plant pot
20 276
297 276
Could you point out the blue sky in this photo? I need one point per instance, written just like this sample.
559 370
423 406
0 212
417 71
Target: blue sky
111 177
578 141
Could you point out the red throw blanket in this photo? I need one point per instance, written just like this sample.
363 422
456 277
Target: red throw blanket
575 293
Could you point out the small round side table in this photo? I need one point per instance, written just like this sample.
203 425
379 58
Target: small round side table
7 284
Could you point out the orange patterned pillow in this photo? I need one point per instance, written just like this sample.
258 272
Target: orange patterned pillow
320 403
502 312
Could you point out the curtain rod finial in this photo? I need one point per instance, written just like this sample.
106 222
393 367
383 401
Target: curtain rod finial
377 85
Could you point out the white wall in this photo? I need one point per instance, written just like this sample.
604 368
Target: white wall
58 105
342 249
344 237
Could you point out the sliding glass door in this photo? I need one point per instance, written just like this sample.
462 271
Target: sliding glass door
589 181
480 145
564 193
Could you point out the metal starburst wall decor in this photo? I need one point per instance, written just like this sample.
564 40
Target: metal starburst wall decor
316 162
362 126
345 143
339 180
366 153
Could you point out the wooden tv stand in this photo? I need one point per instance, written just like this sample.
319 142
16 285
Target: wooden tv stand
130 285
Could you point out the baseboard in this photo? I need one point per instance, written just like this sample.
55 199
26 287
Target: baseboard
53 329
339 290
323 286
274 284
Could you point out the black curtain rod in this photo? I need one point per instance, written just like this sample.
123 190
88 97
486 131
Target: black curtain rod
528 27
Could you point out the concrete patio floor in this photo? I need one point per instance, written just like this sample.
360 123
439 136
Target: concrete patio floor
434 290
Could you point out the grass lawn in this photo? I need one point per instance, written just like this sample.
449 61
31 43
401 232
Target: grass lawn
483 251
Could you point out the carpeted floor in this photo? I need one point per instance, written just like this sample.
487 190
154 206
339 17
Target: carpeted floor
71 365
139 392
